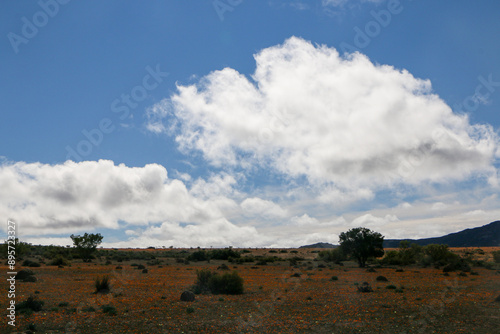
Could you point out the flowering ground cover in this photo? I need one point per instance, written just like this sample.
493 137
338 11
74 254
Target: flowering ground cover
310 297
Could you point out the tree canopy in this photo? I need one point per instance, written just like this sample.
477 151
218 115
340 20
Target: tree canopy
86 244
362 243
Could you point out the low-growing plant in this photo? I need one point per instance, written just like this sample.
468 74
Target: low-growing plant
189 309
496 256
102 285
365 287
29 263
32 304
391 286
334 278
381 279
228 283
59 260
109 309
335 255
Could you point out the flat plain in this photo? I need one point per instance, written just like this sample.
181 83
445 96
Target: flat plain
308 296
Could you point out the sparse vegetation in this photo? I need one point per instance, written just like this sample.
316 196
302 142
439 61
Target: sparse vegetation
335 255
102 285
32 304
304 295
109 309
212 282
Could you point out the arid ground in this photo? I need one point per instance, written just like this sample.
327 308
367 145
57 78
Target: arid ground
279 298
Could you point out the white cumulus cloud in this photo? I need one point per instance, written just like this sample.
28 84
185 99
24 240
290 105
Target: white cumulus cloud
339 121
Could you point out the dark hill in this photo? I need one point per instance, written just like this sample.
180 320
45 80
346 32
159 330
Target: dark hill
319 245
484 236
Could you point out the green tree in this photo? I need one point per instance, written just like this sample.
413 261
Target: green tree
362 243
86 244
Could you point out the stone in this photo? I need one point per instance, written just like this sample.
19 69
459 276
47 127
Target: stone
187 296
22 274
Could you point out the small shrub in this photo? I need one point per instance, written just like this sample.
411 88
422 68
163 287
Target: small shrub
391 286
29 263
199 255
88 309
59 260
365 287
382 279
462 274
223 267
141 266
371 270
496 256
144 271
334 278
189 310
31 304
228 283
296 275
63 304
30 279
109 309
335 255
102 285
399 270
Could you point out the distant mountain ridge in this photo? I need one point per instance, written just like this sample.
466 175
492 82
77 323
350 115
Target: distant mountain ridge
319 245
484 236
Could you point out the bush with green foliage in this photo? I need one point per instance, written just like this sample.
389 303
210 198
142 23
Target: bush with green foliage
335 255
213 282
224 254
29 263
407 254
439 254
199 255
59 260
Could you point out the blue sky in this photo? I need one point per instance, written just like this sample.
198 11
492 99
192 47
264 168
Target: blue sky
248 123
